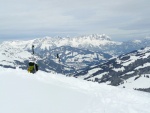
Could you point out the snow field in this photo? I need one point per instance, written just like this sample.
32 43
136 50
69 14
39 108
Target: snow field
22 92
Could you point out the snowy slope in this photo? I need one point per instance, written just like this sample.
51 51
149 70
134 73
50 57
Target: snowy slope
137 82
76 58
131 70
21 92
12 57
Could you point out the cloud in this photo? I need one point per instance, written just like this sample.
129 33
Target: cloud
73 17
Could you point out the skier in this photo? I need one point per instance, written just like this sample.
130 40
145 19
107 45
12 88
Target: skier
32 66
58 57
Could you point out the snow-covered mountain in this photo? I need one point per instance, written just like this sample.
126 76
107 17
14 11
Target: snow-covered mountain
12 57
131 70
93 42
74 57
22 92
84 51
14 54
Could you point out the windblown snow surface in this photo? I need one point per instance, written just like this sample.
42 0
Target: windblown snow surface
22 92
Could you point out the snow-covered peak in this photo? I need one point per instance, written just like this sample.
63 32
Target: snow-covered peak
17 43
94 40
137 41
97 36
144 50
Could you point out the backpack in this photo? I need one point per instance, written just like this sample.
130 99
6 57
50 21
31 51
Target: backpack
33 67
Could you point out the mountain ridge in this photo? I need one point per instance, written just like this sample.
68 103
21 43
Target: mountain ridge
52 42
94 42
130 70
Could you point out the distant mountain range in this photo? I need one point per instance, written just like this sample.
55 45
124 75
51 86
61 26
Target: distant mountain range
86 50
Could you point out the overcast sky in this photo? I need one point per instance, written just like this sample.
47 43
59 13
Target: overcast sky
120 19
